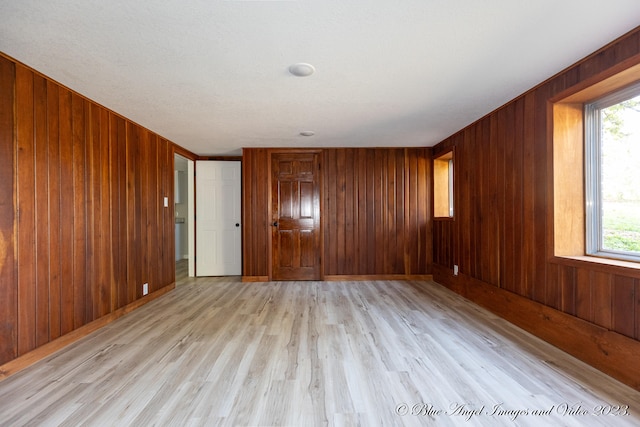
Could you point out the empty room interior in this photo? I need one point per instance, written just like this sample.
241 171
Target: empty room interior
305 212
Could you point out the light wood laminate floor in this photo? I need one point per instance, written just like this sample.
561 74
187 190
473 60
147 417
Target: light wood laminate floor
217 351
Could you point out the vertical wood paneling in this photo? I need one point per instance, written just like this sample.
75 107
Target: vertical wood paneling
8 274
539 185
502 232
624 302
133 209
553 286
410 221
255 193
636 307
464 166
119 202
400 214
70 176
99 219
154 199
505 181
379 225
66 213
104 223
78 122
392 213
527 275
443 254
492 211
510 179
248 261
26 210
517 200
371 213
92 201
143 179
41 209
362 211
391 238
340 225
154 214
375 210
567 284
602 299
168 215
54 222
329 164
350 200
478 190
584 294
165 228
423 209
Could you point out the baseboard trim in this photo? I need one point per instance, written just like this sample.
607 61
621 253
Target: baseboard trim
28 359
610 352
351 277
255 278
347 277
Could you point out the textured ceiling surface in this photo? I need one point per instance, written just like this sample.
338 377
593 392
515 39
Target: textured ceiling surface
211 75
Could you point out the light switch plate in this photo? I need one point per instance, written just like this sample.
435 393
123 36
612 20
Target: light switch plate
166 202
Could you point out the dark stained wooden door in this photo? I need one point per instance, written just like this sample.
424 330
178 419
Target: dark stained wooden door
295 195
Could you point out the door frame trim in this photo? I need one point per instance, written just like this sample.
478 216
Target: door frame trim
270 153
195 207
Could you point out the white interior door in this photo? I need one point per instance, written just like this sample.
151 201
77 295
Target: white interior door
218 231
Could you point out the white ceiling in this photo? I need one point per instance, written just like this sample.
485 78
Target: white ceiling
211 75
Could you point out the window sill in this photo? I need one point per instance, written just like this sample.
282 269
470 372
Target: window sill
603 264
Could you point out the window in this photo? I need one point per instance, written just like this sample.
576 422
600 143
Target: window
612 173
443 186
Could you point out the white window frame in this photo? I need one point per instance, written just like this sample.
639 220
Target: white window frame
593 171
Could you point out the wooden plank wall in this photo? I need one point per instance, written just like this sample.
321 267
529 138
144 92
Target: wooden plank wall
255 208
8 291
502 233
82 222
376 211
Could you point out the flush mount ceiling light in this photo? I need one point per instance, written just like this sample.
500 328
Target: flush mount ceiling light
307 133
302 69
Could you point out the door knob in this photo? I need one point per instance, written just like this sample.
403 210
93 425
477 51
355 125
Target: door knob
237 224
275 223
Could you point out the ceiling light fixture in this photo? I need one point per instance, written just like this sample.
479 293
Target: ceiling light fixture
307 133
301 69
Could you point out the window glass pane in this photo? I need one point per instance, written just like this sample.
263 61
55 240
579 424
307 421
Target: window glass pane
620 176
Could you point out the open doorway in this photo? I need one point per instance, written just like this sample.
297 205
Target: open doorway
184 217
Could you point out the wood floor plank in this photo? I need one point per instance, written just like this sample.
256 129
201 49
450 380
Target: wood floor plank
217 351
